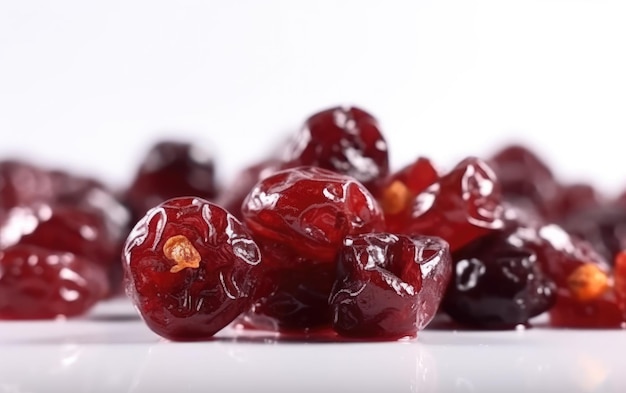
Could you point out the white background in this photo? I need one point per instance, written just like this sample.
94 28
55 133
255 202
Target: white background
89 85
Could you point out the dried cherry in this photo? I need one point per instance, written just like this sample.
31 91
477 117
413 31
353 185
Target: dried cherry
191 268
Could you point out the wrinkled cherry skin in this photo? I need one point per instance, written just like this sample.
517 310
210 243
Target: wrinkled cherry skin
461 206
36 283
345 140
171 169
190 302
381 292
497 284
311 210
527 181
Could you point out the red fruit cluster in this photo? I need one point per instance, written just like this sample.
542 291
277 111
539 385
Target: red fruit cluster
323 237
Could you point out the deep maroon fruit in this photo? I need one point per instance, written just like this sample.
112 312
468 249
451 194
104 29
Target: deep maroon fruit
582 276
191 268
36 283
345 140
497 285
294 298
619 274
578 196
22 184
60 228
380 289
526 180
461 206
311 210
231 197
399 190
604 226
171 169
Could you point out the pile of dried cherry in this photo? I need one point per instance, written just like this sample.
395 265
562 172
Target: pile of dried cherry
321 237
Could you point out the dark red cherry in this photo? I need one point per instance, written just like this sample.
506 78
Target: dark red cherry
576 197
380 291
526 180
60 228
294 292
191 268
400 189
171 169
604 226
461 206
582 276
22 183
36 283
497 284
345 140
311 210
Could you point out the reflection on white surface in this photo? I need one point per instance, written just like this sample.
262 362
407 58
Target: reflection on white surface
112 351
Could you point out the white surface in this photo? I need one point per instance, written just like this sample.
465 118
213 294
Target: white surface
113 351
88 85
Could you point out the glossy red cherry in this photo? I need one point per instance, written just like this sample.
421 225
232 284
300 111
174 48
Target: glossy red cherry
191 268
461 206
36 283
381 290
171 169
22 183
311 210
400 189
345 140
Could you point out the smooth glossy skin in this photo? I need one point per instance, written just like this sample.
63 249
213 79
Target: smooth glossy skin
461 206
380 289
191 268
171 169
345 140
497 285
36 283
311 210
526 180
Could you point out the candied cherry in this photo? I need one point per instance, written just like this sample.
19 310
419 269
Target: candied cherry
526 180
37 283
461 206
578 196
497 284
345 140
604 226
585 297
311 210
294 297
388 286
399 190
191 268
22 183
60 228
171 169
